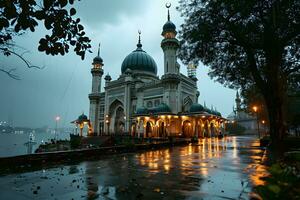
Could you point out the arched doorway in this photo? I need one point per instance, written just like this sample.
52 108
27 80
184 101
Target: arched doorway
200 129
116 117
187 129
212 129
119 126
133 129
162 130
148 129
206 129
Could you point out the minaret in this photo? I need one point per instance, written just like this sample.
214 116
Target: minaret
238 104
171 77
238 101
94 97
170 46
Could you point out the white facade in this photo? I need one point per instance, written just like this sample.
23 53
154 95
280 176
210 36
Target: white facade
113 111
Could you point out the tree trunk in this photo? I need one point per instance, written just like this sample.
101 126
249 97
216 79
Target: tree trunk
275 98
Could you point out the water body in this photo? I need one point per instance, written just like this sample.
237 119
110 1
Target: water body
14 144
213 169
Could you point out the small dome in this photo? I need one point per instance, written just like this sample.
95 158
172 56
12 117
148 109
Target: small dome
82 118
207 110
196 107
139 60
142 111
107 77
169 26
214 112
98 60
162 108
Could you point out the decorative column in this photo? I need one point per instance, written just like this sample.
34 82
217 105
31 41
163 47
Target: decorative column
94 96
171 77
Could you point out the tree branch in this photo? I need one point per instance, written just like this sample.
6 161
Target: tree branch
10 73
27 63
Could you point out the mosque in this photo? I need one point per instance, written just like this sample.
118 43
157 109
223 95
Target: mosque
142 104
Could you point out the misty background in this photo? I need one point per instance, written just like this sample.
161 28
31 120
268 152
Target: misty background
62 87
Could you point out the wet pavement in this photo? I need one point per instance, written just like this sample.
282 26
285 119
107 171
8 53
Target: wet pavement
214 168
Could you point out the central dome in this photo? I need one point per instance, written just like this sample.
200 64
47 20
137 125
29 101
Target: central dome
139 60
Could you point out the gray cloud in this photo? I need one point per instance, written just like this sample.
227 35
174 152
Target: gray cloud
62 88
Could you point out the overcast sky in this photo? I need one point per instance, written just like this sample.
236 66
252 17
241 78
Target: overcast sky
62 87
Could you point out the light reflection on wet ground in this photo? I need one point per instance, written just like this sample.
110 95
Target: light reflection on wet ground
212 169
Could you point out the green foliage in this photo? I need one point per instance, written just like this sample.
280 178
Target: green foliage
235 129
237 38
246 44
283 183
65 30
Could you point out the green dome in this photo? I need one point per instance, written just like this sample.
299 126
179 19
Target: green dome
97 60
196 107
139 60
162 108
169 26
142 111
207 110
82 118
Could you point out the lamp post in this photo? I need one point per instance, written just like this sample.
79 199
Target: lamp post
255 109
264 126
57 118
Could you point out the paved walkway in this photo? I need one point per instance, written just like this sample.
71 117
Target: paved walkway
213 169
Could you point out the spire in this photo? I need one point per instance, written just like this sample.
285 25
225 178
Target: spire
139 45
99 50
168 5
237 95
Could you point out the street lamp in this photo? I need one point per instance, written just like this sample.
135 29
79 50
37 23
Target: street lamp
255 109
57 118
264 126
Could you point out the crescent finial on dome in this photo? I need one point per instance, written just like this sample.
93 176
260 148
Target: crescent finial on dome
168 5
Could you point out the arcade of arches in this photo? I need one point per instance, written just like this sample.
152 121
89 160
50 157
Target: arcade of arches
202 125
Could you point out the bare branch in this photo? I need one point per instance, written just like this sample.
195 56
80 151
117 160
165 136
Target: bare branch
11 74
27 63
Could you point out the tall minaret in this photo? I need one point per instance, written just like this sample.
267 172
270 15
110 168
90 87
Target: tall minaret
170 46
238 104
94 97
171 77
238 101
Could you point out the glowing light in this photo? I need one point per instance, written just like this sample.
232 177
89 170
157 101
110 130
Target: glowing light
263 121
255 108
57 118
